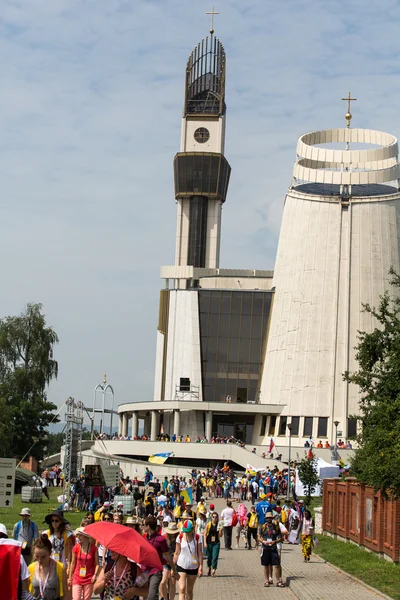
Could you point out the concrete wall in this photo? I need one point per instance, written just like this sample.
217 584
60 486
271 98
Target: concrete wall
330 259
183 348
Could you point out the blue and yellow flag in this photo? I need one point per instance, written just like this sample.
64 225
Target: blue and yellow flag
159 459
187 495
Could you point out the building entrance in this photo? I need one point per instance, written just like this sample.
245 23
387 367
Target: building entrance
239 426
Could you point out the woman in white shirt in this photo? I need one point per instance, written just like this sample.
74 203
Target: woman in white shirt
188 558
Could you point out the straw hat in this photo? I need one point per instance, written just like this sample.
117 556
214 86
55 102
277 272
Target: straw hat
172 529
81 531
131 521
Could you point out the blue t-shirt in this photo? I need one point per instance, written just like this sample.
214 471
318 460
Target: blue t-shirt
262 508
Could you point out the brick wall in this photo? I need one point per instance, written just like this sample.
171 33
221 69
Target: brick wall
31 464
354 512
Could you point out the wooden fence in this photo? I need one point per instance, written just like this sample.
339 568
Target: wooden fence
355 513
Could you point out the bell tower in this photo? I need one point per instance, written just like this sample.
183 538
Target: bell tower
201 170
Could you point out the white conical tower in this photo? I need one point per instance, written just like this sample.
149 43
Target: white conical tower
339 237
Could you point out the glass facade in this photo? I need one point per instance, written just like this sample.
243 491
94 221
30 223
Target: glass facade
233 325
201 174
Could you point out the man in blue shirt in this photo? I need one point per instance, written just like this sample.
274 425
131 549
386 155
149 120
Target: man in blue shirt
262 508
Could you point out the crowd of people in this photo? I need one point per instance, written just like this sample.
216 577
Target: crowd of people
165 437
178 517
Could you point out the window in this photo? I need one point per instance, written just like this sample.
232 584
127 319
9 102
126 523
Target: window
282 426
272 424
263 425
295 425
308 424
351 428
231 339
322 427
201 135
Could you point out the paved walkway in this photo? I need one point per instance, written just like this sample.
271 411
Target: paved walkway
240 576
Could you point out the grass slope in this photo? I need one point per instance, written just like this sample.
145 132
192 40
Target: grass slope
367 567
10 516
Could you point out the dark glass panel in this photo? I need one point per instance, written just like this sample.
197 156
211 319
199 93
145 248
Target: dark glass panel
215 303
235 326
208 393
233 353
245 330
232 367
213 324
204 324
263 425
222 351
351 428
295 425
322 427
226 303
282 425
237 303
224 326
220 390
256 327
258 304
272 425
308 426
211 353
244 351
247 303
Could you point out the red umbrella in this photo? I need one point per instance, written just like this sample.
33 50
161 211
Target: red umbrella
125 541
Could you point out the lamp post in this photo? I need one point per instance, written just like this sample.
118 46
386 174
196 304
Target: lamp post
289 426
336 423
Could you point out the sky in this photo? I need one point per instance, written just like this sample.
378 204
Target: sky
91 102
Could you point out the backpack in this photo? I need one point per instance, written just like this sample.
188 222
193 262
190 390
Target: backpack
242 513
283 516
235 519
27 548
253 521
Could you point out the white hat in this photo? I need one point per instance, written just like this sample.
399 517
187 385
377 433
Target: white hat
106 504
3 529
166 519
25 511
120 504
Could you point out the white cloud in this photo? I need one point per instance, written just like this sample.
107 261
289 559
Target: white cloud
90 115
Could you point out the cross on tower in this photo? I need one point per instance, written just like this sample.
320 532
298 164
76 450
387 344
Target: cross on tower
212 13
349 115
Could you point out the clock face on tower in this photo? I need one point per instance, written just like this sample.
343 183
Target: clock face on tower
201 135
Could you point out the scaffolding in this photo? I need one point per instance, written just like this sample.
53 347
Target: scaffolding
79 416
73 443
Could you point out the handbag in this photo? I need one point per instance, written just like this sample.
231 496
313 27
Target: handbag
315 542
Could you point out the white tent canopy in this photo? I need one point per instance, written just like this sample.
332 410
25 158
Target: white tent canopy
325 471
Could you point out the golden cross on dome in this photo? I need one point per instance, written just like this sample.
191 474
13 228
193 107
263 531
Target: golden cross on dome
212 13
349 115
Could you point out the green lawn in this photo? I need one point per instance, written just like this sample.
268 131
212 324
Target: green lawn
9 516
376 572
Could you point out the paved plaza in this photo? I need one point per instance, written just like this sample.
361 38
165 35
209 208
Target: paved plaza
240 576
